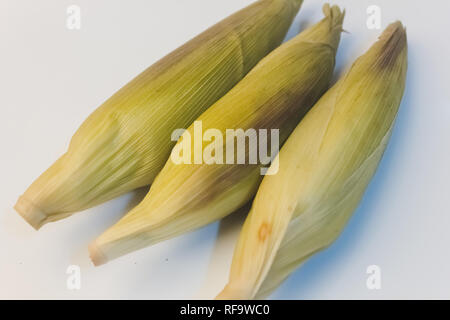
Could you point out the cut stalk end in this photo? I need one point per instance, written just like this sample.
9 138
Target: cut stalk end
96 254
30 212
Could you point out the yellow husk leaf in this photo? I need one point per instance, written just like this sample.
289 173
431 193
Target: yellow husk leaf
325 167
127 140
274 95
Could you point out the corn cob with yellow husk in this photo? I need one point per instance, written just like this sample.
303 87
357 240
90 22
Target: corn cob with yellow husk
126 141
325 167
274 95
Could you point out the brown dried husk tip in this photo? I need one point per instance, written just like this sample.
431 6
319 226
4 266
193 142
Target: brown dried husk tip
325 167
391 43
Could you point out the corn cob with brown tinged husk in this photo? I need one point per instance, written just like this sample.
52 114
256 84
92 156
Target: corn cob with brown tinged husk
125 142
325 167
274 95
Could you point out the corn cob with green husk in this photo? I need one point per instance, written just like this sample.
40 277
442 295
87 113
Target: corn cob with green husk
274 95
325 167
126 141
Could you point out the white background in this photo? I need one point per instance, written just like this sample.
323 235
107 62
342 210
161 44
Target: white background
52 78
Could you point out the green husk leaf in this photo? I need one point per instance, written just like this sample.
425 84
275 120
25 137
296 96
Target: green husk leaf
325 167
276 94
126 141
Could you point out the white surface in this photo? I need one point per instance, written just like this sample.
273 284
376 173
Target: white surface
52 78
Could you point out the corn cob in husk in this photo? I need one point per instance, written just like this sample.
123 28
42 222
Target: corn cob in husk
325 167
274 95
126 141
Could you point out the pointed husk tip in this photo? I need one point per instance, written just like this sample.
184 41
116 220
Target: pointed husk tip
30 212
231 292
392 41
